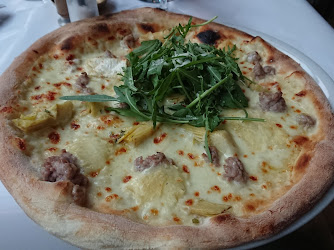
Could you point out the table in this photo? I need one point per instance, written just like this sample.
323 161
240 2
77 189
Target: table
294 22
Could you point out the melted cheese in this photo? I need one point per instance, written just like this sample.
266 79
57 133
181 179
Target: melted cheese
164 194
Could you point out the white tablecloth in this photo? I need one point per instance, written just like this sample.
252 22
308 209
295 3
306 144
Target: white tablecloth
23 22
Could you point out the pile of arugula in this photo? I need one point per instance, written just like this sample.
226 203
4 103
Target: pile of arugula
207 77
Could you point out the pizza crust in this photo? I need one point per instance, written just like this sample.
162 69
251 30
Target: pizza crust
313 174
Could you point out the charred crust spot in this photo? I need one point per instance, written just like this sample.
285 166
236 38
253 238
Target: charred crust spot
147 27
208 36
35 51
302 162
101 27
220 219
67 44
300 140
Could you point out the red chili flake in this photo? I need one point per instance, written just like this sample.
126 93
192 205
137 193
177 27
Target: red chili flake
54 137
237 198
159 139
227 197
223 122
293 127
110 120
74 125
55 56
135 123
196 194
79 68
189 202
298 111
21 144
245 156
59 84
253 178
70 57
127 178
185 169
34 68
264 186
51 95
191 156
197 164
301 93
94 173
244 72
99 194
36 97
110 197
278 125
135 208
107 162
120 151
40 66
108 189
216 188
154 211
114 138
6 110
52 149
103 86
177 219
100 127
37 88
180 152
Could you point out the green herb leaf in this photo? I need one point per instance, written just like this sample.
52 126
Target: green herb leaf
206 77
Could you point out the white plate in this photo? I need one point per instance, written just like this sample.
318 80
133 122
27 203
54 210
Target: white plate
19 232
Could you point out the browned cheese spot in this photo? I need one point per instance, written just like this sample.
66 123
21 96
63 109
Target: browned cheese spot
222 218
302 162
300 140
146 27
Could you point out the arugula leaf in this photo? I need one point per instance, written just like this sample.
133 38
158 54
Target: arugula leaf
207 77
90 98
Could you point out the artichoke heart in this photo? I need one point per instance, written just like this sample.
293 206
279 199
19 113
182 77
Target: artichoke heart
56 115
206 208
138 133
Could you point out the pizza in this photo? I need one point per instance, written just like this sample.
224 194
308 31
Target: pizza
147 129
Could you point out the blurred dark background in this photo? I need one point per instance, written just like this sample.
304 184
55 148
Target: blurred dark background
325 8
